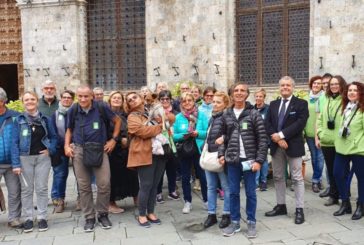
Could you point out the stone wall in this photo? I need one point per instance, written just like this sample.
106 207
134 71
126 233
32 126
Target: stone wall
337 32
54 42
190 40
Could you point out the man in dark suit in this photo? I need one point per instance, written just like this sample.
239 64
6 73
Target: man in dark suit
284 123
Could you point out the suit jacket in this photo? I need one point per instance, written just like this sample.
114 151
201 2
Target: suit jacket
293 124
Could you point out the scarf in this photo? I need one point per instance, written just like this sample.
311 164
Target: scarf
349 110
335 95
191 116
314 98
62 109
60 120
33 119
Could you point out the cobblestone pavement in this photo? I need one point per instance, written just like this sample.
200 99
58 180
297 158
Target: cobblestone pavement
321 227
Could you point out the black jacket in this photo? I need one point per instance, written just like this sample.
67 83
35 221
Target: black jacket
293 124
215 126
254 136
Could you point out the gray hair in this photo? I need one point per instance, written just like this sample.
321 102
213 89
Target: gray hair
98 89
289 79
48 83
3 96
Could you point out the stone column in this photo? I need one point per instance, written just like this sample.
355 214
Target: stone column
54 35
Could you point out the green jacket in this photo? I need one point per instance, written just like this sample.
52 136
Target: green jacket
327 136
354 143
310 128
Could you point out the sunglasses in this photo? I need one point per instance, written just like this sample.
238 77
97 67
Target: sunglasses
130 99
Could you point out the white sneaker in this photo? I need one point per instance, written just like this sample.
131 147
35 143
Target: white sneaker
187 208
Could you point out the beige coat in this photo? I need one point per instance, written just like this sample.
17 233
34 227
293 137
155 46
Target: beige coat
140 148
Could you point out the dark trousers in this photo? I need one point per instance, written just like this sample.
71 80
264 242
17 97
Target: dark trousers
170 170
186 165
149 177
329 155
341 173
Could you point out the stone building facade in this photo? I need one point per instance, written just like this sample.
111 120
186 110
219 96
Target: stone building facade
192 40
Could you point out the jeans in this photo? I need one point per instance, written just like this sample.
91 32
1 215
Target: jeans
261 176
317 160
212 179
235 173
186 165
341 173
13 185
35 170
149 177
60 174
170 170
329 155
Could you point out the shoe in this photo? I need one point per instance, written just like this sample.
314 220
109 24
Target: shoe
345 208
206 205
263 186
78 204
358 212
114 209
173 196
159 199
197 186
187 208
42 225
104 221
315 187
145 224
210 221
225 221
252 231
325 193
320 185
154 221
89 225
233 228
55 202
16 223
28 226
299 216
59 208
279 209
331 201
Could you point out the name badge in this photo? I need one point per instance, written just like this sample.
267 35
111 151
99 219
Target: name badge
244 125
25 132
96 125
60 117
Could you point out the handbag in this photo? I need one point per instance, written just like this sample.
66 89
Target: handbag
187 148
209 160
93 154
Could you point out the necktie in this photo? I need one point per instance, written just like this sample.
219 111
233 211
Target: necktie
281 114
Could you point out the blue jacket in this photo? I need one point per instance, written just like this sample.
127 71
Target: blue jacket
7 135
21 140
206 109
180 127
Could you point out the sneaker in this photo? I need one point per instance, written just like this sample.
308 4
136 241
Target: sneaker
89 225
16 223
233 228
28 226
59 208
263 186
173 196
42 225
187 208
197 186
252 232
160 199
104 221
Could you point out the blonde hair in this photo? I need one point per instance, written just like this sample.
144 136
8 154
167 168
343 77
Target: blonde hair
187 94
31 93
224 97
261 90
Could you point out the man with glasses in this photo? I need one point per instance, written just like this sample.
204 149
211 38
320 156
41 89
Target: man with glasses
98 94
48 104
184 88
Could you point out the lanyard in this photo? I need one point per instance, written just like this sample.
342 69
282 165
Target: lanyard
328 111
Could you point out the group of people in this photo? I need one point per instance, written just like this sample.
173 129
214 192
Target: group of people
125 145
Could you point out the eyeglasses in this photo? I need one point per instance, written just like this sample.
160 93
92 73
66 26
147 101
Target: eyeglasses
164 99
209 95
187 88
67 97
49 88
130 99
334 84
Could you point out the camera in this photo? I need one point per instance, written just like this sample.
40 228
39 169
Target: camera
345 132
331 124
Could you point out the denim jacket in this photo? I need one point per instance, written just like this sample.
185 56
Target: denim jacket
21 140
6 136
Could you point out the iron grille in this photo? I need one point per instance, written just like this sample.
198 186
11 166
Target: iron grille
248 3
116 31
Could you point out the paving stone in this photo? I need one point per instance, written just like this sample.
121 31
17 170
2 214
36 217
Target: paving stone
10 242
21 236
349 237
38 241
273 236
153 239
79 239
309 231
